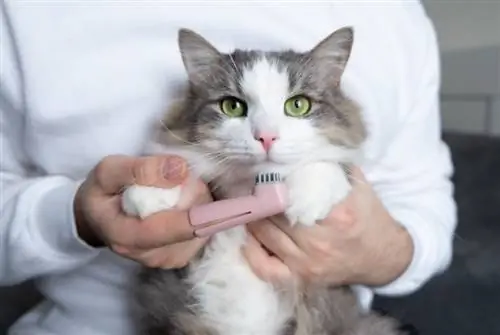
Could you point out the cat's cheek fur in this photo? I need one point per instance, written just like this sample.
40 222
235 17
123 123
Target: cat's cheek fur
143 201
313 191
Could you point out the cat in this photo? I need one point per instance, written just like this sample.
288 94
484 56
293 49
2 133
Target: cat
247 112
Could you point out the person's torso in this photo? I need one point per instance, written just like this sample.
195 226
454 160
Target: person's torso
99 75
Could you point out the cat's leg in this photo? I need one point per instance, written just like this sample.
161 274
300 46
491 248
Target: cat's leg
143 201
313 191
335 311
325 311
231 296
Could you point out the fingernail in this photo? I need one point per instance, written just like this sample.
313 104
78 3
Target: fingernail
174 169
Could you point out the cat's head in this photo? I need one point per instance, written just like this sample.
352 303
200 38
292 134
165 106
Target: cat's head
268 109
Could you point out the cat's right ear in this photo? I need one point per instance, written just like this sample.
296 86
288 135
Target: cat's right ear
331 55
198 55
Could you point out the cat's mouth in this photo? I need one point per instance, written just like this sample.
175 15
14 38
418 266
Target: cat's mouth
275 159
260 162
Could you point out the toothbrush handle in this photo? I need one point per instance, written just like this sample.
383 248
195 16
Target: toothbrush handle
214 217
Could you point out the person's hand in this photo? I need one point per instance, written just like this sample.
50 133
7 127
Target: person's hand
359 243
163 239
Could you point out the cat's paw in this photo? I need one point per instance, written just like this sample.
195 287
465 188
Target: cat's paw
313 191
143 201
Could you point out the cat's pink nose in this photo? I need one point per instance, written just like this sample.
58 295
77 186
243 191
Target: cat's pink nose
266 139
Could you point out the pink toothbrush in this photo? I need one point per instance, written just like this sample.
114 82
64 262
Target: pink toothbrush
269 198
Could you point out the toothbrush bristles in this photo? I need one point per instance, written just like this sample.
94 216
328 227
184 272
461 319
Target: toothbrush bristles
267 178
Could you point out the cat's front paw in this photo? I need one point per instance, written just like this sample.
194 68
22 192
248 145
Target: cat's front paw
143 201
313 191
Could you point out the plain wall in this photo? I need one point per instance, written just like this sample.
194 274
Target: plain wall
469 38
465 24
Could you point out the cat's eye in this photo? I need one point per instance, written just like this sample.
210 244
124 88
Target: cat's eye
297 106
233 107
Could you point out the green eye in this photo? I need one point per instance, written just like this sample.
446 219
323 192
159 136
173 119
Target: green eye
297 106
233 107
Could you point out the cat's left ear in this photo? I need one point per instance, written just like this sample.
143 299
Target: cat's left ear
332 53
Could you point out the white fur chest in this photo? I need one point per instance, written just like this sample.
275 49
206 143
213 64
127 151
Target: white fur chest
231 296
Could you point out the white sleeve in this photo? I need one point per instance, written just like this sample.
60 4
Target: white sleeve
415 183
37 230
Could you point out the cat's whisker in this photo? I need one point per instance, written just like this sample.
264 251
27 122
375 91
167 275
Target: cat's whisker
359 182
192 167
225 169
215 160
238 154
204 153
236 69
165 127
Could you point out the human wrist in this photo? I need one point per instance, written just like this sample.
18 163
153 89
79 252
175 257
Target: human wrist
392 256
397 256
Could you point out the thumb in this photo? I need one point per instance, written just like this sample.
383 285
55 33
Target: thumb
160 171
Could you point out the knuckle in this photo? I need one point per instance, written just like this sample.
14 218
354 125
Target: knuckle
322 247
314 271
258 228
120 249
101 170
258 269
262 273
180 263
146 170
170 263
152 262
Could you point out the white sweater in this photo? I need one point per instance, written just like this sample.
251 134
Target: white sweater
82 80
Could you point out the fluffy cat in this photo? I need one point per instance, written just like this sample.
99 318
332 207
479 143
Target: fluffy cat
249 112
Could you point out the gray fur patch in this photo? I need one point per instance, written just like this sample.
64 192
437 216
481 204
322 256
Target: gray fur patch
334 311
165 307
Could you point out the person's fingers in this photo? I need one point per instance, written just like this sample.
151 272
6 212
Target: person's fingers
357 175
194 192
162 228
161 171
276 241
157 230
284 225
114 173
341 218
266 267
301 235
173 256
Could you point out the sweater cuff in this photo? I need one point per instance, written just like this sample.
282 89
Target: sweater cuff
427 256
54 217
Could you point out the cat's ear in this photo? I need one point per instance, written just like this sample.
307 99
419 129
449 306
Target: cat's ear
198 55
332 53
